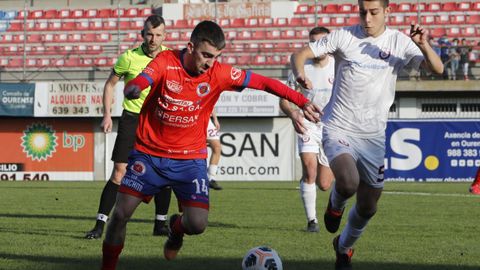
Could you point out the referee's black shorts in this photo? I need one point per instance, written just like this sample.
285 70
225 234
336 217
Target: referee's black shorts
125 137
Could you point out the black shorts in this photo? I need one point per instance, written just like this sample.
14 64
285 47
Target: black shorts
127 128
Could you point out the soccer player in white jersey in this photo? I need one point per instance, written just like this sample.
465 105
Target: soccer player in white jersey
315 169
213 140
368 58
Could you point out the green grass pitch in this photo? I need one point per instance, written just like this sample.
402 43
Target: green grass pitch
418 226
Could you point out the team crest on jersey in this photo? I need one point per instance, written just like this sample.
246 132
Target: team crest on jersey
384 54
174 86
305 138
235 73
138 168
330 80
203 89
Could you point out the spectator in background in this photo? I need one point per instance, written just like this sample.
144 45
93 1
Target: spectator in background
444 45
454 59
464 50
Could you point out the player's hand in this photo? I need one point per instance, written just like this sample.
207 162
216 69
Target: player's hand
132 91
312 112
297 121
418 34
107 124
304 81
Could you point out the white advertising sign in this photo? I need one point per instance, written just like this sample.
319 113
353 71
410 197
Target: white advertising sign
249 102
257 149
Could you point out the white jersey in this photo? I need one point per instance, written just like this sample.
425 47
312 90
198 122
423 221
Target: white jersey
322 81
365 77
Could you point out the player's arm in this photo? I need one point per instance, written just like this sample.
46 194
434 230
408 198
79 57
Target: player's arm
293 113
432 61
108 94
298 60
257 81
146 78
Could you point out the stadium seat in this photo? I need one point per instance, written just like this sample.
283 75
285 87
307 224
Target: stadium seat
63 14
449 6
324 21
338 21
94 49
181 24
259 34
442 19
37 50
100 37
302 34
144 12
457 19
306 22
273 34
76 38
93 37
30 62
76 13
393 7
259 60
265 22
280 22
476 6
85 62
434 7
3 62
104 13
132 12
30 24
463 6
330 8
268 46
244 35
345 8
69 26
473 19
126 25
252 47
230 34
404 7
110 25
237 23
43 62
133 37
22 14
469 31
171 35
428 19
118 12
71 62
410 19
15 27
90 13
15 63
224 22
296 22
35 14
81 25
48 37
416 7
50 14
185 35
353 20
453 32
34 38
437 32
303 9
243 59
287 34
251 22
231 60
6 38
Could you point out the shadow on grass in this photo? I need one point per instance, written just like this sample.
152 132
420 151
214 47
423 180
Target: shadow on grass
148 263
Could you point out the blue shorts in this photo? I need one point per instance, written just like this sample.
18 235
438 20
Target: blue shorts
147 174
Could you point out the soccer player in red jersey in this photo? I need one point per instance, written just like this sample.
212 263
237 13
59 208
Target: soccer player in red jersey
170 147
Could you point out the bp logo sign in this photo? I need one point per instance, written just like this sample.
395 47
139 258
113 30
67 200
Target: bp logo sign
39 141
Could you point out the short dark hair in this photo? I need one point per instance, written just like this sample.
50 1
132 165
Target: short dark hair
210 32
319 30
385 2
155 20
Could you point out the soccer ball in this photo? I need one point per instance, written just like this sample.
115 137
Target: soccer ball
261 258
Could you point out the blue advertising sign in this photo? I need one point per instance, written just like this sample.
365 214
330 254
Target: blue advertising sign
16 99
432 150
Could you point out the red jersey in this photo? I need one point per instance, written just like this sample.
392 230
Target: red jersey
174 117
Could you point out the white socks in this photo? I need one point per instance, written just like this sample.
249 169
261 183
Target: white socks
308 192
352 231
212 171
102 217
161 217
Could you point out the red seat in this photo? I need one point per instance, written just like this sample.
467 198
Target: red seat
76 38
15 63
55 25
94 49
71 62
273 34
260 60
473 19
345 8
30 62
35 14
133 37
144 12
330 8
6 38
265 22
338 21
34 38
457 19
434 7
109 25
428 19
393 7
132 12
85 62
15 27
476 7
50 14
118 12
453 31
171 36
104 13
280 22
3 62
244 35
231 60
410 19
442 19
125 25
81 25
305 9
419 7
302 34
324 21
307 22
353 20
101 37
224 22
69 26
259 34
63 14
449 6
49 37
469 31
251 22
287 34
43 62
76 14
463 6
296 21
437 32
181 23
237 23
92 37
230 34
91 13
243 59
404 7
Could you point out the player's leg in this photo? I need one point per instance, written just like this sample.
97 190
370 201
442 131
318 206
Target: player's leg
308 189
190 184
216 146
107 200
122 148
475 187
162 203
116 230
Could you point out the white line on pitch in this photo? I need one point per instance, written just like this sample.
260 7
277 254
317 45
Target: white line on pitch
429 194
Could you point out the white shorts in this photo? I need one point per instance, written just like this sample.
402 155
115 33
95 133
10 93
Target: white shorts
369 154
212 132
311 141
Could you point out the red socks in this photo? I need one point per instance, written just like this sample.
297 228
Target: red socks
110 256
